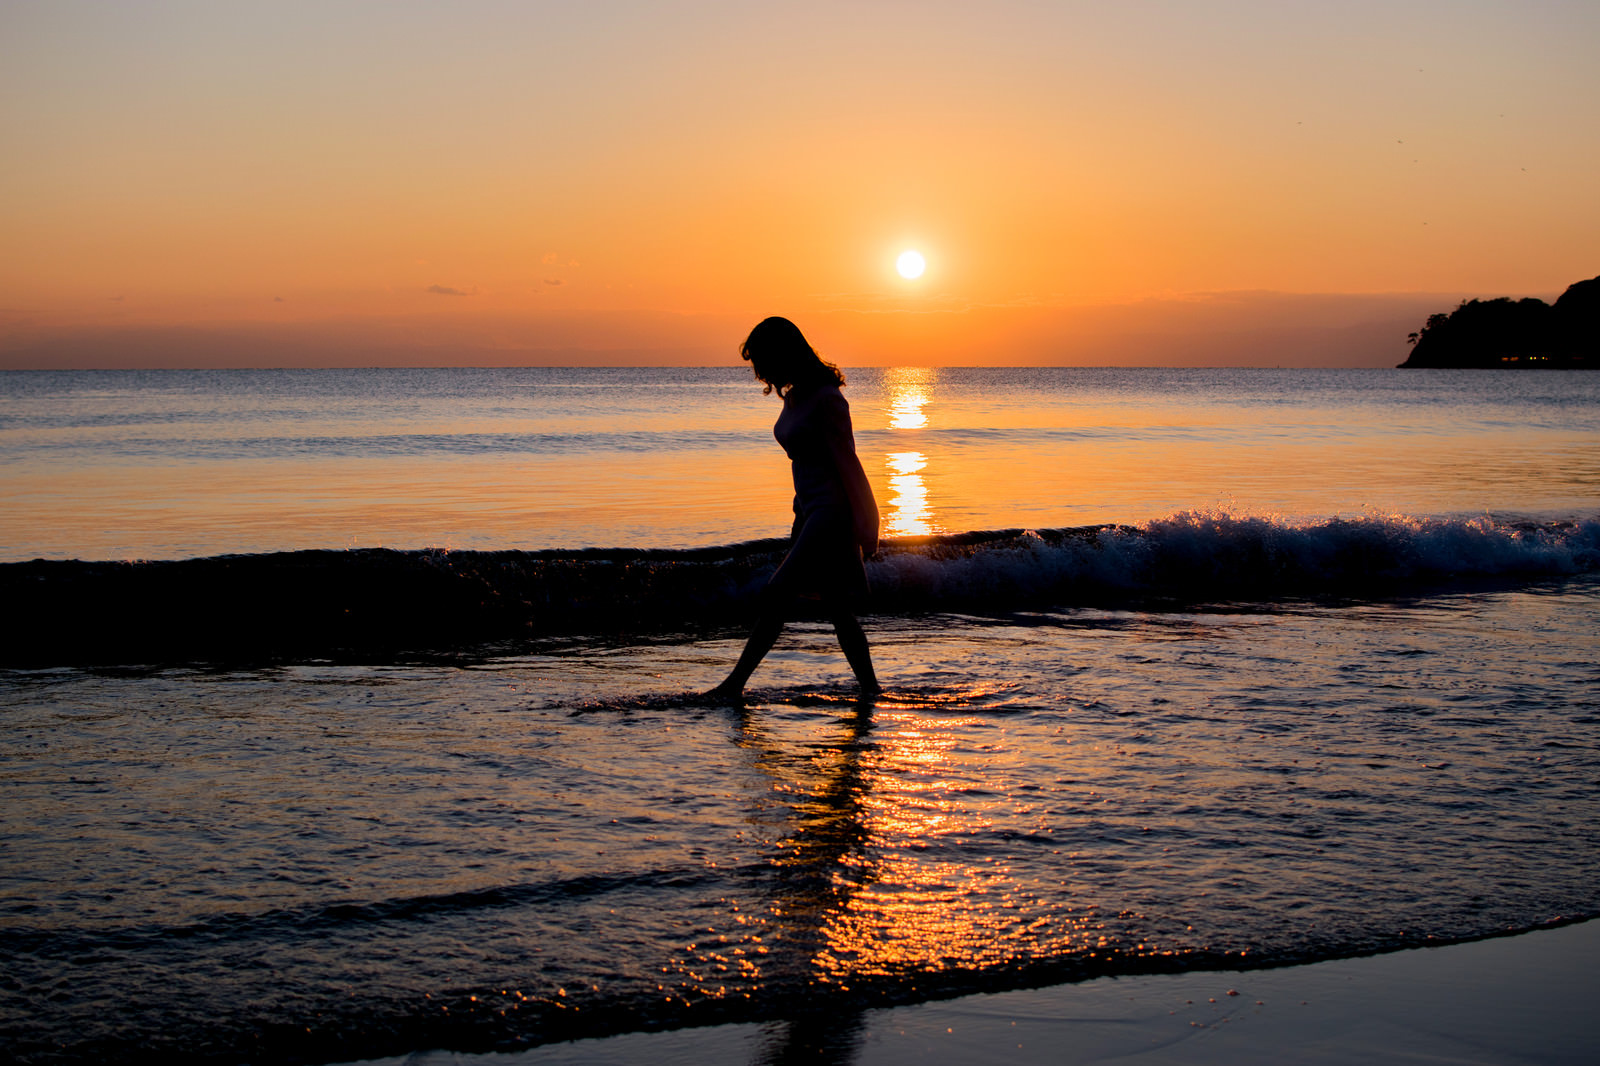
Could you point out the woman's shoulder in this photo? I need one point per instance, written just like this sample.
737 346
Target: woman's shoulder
815 394
821 402
823 393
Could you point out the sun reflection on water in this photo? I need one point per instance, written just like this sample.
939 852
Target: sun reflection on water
907 398
908 506
891 845
908 389
863 887
911 909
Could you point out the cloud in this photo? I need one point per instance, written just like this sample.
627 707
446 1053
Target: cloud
549 257
554 281
446 290
277 299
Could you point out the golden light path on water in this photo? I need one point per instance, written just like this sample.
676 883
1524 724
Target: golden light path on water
907 391
907 388
865 821
908 507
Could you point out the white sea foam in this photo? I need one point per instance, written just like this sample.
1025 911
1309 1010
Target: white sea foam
1215 553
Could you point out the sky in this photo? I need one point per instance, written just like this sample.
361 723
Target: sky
494 183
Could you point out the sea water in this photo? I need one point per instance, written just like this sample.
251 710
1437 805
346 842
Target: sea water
179 463
497 846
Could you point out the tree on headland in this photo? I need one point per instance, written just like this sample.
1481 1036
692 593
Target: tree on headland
1514 333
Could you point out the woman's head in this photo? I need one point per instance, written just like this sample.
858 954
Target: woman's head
781 357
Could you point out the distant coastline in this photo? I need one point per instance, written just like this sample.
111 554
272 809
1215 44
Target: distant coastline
1516 334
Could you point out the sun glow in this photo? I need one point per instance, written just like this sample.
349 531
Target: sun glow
910 264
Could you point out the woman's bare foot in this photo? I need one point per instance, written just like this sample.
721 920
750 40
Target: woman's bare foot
727 692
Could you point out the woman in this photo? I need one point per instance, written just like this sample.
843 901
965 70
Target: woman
835 516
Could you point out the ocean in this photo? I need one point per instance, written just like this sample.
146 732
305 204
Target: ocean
1186 669
171 464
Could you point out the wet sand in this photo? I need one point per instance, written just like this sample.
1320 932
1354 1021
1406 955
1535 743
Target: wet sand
1510 1000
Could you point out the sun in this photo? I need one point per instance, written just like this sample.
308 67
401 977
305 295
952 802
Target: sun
910 264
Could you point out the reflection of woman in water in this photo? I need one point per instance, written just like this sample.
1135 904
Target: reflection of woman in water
835 516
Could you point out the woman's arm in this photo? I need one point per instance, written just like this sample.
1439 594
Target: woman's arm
858 490
863 508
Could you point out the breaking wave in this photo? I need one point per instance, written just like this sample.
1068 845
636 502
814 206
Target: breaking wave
1216 554
357 601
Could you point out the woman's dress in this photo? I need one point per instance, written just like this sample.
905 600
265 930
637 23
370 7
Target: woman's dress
835 516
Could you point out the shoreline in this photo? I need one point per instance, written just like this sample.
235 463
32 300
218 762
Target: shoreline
1524 998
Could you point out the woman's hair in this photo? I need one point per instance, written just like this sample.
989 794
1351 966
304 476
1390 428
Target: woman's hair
779 354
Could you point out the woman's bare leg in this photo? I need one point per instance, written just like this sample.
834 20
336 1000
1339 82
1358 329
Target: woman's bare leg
761 640
854 643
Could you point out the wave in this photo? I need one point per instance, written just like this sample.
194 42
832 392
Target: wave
364 601
1220 555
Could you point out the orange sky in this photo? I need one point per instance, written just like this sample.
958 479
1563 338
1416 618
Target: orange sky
300 183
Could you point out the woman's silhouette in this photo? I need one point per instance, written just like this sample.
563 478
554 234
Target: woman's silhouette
835 516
